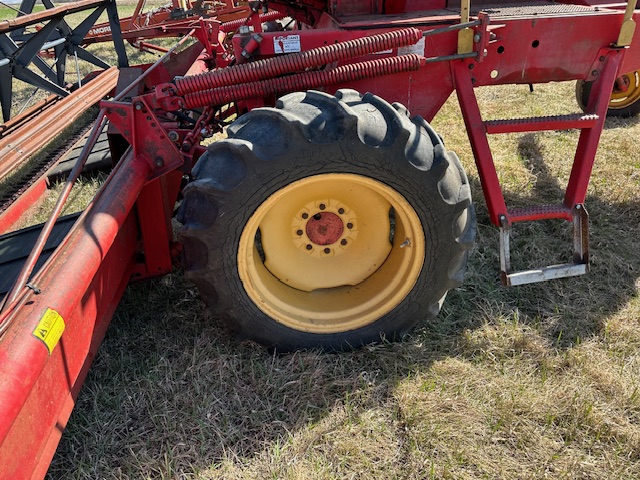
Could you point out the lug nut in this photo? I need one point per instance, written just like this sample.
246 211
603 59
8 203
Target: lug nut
309 247
327 250
305 215
299 232
343 241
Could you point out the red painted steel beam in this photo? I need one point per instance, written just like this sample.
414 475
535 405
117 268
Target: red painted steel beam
12 215
37 388
590 138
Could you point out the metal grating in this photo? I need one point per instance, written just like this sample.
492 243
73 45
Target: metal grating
540 9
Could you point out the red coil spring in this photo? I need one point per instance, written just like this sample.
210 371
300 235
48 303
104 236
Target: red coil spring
305 81
234 25
270 68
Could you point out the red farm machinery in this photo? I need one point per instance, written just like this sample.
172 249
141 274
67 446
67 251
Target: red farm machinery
331 216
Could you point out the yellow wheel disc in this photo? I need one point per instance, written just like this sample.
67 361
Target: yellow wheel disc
626 90
331 253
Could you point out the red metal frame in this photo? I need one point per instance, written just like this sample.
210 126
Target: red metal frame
115 240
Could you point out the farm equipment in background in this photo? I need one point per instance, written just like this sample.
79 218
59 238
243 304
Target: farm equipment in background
330 217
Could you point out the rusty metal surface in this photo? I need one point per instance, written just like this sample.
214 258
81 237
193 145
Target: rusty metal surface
31 137
16 122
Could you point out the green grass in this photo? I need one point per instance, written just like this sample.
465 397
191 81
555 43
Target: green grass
539 381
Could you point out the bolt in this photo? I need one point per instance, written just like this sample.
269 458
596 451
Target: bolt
173 136
406 243
309 247
341 211
317 216
305 215
471 66
343 241
476 37
322 206
299 232
138 106
159 162
349 225
594 73
602 57
327 250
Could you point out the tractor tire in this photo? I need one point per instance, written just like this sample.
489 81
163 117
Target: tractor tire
622 103
327 221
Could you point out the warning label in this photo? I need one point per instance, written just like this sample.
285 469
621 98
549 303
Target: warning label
50 329
286 43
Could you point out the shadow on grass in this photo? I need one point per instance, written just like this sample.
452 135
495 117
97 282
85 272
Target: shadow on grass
567 310
171 394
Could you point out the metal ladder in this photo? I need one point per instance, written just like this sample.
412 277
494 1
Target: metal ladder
572 208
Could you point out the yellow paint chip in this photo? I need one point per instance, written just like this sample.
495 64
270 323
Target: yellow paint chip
50 329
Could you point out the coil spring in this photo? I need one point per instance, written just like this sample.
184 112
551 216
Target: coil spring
304 81
234 25
269 68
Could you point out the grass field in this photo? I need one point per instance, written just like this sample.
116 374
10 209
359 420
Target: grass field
539 381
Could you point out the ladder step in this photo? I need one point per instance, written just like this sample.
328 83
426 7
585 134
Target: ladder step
539 212
535 124
543 274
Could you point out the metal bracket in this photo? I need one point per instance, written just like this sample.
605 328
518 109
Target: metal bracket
578 266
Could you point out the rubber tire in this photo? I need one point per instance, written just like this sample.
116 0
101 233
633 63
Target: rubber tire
310 133
583 91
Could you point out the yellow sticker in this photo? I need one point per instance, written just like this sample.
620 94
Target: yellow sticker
50 329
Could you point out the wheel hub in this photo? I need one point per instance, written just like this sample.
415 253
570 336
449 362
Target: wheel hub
324 228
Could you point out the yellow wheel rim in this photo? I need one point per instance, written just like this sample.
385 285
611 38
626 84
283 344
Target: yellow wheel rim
626 90
331 253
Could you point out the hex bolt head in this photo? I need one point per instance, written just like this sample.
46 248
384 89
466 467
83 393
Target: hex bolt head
322 206
305 215
349 225
309 247
159 162
327 250
299 232
138 106
343 241
341 211
173 136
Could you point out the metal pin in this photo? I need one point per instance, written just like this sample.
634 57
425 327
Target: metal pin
406 243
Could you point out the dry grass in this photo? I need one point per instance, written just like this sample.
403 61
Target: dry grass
540 381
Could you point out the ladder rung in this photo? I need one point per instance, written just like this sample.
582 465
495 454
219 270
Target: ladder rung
534 124
539 212
544 274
